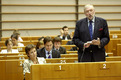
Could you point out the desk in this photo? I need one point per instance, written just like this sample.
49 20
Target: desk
76 71
11 70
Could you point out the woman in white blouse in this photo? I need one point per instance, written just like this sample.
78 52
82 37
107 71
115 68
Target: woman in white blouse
14 38
32 55
9 46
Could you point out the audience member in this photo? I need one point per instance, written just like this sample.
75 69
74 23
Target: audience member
41 38
64 33
47 51
32 55
17 33
9 45
40 44
15 42
57 45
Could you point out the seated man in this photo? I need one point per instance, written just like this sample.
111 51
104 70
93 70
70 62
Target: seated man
57 45
64 33
48 51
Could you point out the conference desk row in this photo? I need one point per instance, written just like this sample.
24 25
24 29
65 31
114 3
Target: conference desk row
2 43
22 49
76 71
12 70
57 60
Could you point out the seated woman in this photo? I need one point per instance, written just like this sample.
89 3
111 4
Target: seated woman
32 55
9 45
40 44
16 31
15 42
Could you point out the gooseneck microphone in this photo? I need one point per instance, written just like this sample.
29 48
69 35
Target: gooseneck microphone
82 54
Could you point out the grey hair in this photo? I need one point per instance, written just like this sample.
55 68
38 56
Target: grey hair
88 5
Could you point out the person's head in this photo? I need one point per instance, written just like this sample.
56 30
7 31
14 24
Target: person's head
16 32
41 38
57 42
40 45
65 30
31 52
48 43
89 11
8 44
14 39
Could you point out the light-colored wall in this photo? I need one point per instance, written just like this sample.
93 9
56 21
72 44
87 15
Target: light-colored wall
24 25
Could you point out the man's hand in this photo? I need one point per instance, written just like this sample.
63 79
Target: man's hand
86 45
96 42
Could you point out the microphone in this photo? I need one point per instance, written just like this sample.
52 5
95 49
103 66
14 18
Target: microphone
89 42
82 54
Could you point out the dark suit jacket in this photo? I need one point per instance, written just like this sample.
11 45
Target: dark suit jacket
63 38
41 53
62 50
82 35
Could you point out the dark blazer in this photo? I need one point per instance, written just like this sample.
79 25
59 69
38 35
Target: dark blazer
41 53
63 38
62 50
82 35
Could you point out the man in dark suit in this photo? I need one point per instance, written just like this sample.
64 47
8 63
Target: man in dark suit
64 33
48 51
57 45
91 35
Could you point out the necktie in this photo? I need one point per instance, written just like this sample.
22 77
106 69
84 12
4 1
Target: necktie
49 55
90 29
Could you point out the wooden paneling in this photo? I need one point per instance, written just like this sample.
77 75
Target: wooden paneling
11 70
76 71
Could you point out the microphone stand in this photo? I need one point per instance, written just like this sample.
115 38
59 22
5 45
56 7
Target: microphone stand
82 54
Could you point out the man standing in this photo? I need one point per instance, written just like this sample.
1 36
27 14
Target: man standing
91 35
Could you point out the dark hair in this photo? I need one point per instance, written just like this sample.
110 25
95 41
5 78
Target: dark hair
64 27
47 39
14 36
38 44
40 38
7 41
57 39
29 47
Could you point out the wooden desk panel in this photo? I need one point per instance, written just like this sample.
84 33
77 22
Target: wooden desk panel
2 70
13 57
26 38
103 71
11 70
57 72
76 71
12 54
118 50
